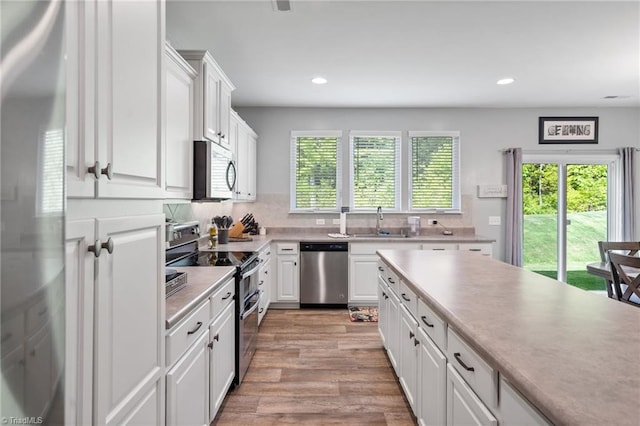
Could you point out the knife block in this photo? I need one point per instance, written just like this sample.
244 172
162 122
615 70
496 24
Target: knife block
236 230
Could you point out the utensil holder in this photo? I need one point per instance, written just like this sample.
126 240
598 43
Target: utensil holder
223 236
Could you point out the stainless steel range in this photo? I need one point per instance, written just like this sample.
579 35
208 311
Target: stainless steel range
185 252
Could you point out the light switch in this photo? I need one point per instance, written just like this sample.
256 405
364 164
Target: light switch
494 220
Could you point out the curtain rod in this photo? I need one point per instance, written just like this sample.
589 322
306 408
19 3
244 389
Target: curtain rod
567 151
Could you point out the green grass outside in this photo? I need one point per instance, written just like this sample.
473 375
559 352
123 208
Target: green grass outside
583 234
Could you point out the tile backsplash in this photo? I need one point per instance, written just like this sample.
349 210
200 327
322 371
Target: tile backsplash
272 211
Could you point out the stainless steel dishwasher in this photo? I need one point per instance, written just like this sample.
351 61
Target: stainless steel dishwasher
324 275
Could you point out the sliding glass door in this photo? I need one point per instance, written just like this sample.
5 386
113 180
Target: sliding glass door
568 208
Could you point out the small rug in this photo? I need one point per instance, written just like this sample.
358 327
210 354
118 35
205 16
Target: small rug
363 313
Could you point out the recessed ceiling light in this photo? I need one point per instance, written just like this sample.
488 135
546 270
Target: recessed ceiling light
504 81
319 80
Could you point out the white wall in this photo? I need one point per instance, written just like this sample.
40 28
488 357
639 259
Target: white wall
484 134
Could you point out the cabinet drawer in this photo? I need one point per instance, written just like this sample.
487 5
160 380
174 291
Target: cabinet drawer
409 298
393 281
287 248
483 249
222 297
432 324
265 254
12 333
473 369
186 332
382 270
516 410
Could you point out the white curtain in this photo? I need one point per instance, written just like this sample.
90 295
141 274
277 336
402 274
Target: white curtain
628 203
513 238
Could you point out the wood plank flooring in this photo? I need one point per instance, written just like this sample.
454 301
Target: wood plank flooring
315 367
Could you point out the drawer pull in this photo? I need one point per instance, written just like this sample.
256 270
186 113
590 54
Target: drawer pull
261 282
217 337
438 249
391 281
210 345
475 249
416 342
404 296
380 268
286 249
424 320
198 325
411 335
261 310
465 366
227 296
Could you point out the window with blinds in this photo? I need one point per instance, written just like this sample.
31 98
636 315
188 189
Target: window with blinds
375 170
435 171
315 164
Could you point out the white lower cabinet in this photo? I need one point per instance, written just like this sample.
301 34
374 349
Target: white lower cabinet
287 273
383 311
363 278
222 358
188 386
463 406
432 382
409 356
116 297
264 282
393 337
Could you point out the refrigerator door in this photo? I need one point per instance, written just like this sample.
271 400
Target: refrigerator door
32 211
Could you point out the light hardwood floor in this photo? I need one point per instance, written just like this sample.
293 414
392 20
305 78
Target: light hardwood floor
316 367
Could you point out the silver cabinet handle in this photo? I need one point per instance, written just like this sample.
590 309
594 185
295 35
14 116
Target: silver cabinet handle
96 171
97 247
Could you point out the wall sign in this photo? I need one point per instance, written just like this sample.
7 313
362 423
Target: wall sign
553 130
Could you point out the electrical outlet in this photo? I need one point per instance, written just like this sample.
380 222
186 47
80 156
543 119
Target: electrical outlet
494 220
336 221
432 222
319 221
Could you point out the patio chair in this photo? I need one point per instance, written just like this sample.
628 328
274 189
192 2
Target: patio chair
630 248
625 271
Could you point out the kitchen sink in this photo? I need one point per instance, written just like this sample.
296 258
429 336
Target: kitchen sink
379 235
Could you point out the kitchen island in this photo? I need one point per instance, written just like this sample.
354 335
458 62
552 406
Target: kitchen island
572 354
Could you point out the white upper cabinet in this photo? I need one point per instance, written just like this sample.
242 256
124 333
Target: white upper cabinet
116 75
244 147
179 126
212 98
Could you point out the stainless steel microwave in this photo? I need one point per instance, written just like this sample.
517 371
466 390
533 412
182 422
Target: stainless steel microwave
214 173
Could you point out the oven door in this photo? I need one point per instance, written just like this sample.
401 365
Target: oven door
247 333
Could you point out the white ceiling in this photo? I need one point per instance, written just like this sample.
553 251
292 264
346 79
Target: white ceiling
419 53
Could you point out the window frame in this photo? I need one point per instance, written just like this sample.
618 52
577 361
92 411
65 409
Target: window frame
295 134
456 197
398 172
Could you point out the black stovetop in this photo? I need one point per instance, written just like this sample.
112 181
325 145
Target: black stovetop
220 258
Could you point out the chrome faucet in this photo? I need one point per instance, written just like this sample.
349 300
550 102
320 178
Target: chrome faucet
379 217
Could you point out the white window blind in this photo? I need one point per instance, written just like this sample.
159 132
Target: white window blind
435 171
375 170
316 168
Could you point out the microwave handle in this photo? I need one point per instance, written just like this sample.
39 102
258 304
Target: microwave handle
230 167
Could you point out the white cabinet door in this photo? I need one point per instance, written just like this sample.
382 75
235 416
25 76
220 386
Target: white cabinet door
463 406
79 273
252 152
224 114
188 387
408 356
288 277
432 385
116 60
129 315
242 182
383 310
222 358
211 88
393 337
179 103
363 278
130 66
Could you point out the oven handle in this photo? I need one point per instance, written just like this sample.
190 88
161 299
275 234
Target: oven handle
249 311
251 272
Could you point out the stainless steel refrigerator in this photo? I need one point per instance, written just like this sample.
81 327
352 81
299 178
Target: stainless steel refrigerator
32 211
